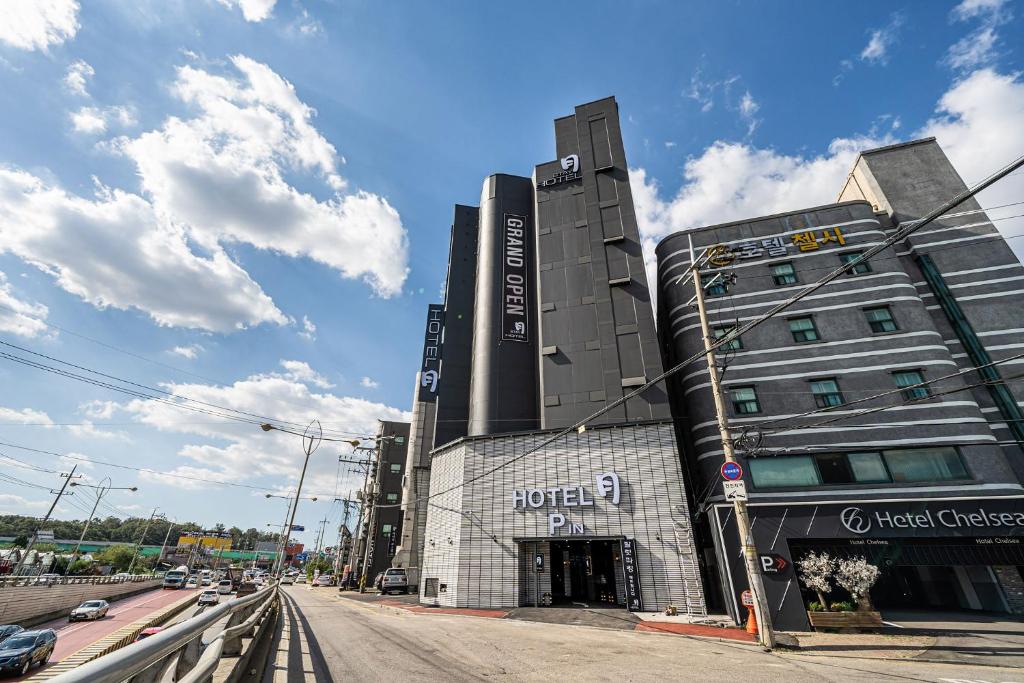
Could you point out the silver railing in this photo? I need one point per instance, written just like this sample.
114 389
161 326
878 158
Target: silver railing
42 580
178 652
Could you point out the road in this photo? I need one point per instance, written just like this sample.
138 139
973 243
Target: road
72 637
326 638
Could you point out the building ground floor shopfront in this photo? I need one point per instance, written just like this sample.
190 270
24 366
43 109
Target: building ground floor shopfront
596 519
963 554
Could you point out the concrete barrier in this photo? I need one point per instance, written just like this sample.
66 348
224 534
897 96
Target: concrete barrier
31 605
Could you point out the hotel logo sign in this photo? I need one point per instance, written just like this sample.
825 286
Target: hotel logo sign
430 368
570 172
514 274
607 486
858 521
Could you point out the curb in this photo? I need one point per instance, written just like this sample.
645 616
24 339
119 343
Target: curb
924 660
115 641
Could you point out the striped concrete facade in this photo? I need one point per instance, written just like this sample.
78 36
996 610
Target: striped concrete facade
480 550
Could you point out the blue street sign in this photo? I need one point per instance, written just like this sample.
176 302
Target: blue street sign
731 471
298 527
301 557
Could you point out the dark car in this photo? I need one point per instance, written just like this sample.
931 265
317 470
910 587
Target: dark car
23 650
8 630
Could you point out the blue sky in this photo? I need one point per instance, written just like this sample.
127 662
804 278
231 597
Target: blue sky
247 201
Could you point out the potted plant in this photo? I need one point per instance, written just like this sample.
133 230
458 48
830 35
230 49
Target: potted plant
855 575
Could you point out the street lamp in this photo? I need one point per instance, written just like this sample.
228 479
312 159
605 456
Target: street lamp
101 491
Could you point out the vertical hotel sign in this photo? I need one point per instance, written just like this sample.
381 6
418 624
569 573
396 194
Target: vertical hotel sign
430 368
514 297
631 572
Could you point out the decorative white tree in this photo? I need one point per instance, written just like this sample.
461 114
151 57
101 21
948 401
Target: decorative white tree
815 572
857 576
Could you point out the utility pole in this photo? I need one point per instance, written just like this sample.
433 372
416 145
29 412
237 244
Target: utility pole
754 578
341 536
142 539
163 547
32 541
369 499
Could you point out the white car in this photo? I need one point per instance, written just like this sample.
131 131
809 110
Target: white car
224 587
193 582
209 597
287 580
90 610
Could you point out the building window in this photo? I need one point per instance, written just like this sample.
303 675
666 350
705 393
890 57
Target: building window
880 319
734 345
396 467
391 497
783 472
911 465
744 400
385 529
716 289
399 439
826 393
803 329
783 274
925 464
908 378
858 269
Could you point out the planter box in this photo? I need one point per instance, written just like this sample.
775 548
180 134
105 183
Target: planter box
845 621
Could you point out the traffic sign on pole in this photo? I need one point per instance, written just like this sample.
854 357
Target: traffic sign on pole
731 471
735 490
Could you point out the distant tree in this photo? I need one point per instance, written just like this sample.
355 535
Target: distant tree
21 541
118 557
320 563
80 567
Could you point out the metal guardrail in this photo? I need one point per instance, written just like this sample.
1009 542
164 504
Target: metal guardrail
177 653
43 581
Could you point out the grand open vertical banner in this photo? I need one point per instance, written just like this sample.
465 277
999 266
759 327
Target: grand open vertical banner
631 573
514 280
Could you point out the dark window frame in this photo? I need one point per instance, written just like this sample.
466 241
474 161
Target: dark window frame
871 323
822 399
814 329
891 480
859 269
776 277
916 394
736 404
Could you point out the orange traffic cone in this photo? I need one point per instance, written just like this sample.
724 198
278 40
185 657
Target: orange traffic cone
751 621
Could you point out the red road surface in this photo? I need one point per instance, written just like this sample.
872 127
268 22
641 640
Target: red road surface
72 637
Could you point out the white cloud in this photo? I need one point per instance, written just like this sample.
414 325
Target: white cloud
299 371
222 174
116 251
17 505
87 430
305 25
24 416
190 351
20 317
877 49
99 410
95 120
369 383
250 452
748 111
308 329
977 48
252 10
669 144
38 24
77 77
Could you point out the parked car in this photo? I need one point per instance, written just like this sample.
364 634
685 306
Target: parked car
394 579
301 578
287 580
323 580
147 632
22 651
8 630
224 587
209 597
192 582
89 610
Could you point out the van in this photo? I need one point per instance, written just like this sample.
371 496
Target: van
224 587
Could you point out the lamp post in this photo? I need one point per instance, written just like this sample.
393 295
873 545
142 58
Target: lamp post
101 491
311 439
283 540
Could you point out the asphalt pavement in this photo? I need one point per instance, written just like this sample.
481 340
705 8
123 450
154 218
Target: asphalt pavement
327 638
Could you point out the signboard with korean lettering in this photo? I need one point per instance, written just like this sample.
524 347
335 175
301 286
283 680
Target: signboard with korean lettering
805 241
631 573
430 368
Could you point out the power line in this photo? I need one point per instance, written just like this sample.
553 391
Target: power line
899 235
